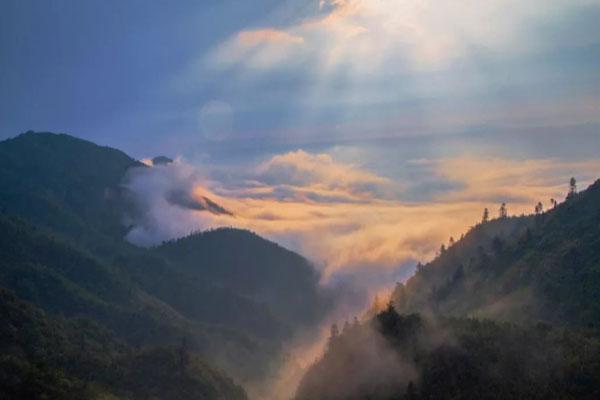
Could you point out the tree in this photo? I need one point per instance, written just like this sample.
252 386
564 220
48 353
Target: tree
442 249
184 356
539 208
419 266
346 327
451 241
503 213
334 332
572 188
486 216
553 202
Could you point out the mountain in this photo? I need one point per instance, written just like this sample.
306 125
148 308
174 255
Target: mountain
67 185
523 269
63 250
49 358
510 311
252 267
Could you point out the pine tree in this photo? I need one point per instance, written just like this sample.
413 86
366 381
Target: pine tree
572 188
334 332
503 213
486 216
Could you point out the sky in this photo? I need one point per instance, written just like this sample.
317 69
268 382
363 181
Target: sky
362 133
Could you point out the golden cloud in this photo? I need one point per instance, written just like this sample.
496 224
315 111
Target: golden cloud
342 216
375 232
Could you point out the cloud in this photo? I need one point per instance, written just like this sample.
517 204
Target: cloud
353 223
423 34
521 182
320 175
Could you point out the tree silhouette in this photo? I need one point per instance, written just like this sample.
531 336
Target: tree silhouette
346 327
503 213
486 215
334 333
539 208
553 202
572 188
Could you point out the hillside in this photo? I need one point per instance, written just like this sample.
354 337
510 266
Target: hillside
396 357
252 267
65 184
48 358
523 269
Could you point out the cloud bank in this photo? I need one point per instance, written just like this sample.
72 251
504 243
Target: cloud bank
348 220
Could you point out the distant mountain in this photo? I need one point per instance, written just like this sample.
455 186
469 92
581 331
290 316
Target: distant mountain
233 296
523 269
161 160
186 200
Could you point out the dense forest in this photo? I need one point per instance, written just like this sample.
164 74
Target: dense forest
85 312
509 311
409 357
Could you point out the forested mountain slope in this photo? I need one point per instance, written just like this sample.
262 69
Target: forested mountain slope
251 266
48 358
521 269
66 184
396 357
63 248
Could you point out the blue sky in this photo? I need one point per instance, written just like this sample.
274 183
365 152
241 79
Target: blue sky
138 74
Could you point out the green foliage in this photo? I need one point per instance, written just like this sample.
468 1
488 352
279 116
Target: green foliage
48 358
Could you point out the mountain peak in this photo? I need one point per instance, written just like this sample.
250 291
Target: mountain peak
161 160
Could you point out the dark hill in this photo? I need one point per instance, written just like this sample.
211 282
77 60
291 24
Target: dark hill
65 184
48 358
253 267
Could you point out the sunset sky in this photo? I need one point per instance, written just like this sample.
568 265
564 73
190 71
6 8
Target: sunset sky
362 133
